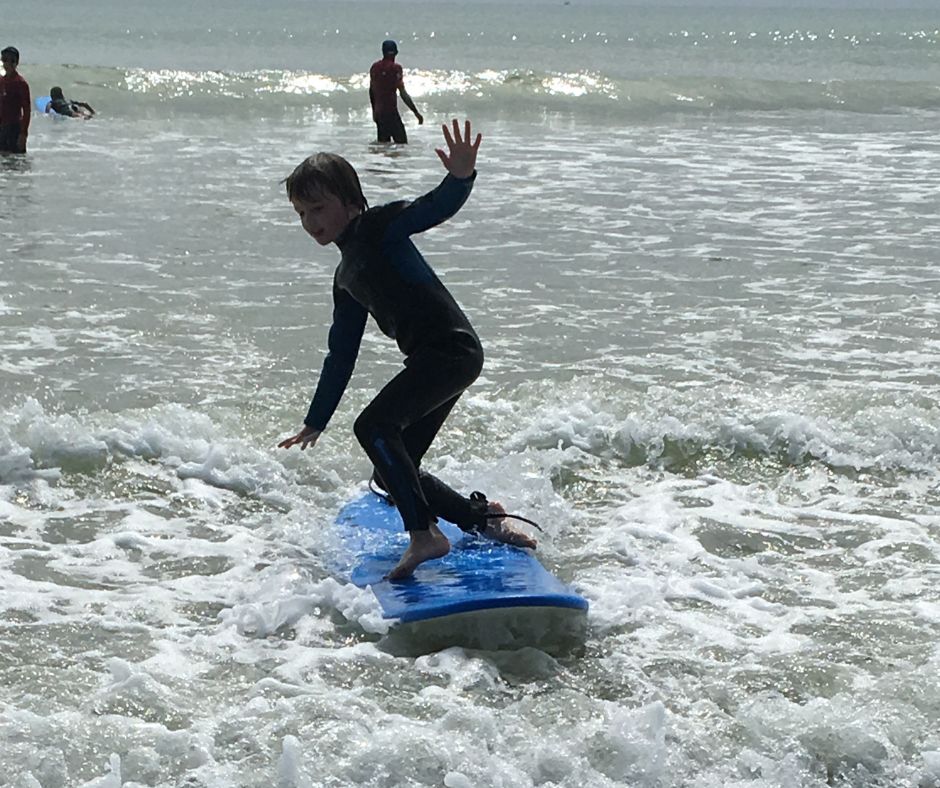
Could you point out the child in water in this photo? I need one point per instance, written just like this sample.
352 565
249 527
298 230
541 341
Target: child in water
60 105
381 273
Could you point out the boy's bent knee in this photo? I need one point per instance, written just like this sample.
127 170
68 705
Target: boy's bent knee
364 429
368 430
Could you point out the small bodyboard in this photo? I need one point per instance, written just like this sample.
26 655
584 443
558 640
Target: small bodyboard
42 103
478 574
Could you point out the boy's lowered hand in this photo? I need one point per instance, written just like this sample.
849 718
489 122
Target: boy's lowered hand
306 436
461 157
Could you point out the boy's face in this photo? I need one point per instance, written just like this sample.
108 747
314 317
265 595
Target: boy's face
9 64
323 216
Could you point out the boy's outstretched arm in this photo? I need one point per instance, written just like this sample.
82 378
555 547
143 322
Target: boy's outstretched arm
461 158
349 322
443 202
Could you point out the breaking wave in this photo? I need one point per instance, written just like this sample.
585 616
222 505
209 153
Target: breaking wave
511 92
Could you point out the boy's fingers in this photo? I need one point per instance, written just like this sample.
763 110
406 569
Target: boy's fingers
450 140
457 131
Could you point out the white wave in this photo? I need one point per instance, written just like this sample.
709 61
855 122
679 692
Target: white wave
509 90
41 445
903 435
112 779
263 619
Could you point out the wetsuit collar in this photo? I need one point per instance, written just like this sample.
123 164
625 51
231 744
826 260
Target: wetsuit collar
348 231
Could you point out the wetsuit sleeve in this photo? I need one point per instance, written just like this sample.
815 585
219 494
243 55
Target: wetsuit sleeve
434 207
349 322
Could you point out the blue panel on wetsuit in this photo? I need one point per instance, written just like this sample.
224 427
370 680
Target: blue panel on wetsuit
477 574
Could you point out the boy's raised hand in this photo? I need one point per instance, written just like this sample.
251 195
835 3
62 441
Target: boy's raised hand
461 157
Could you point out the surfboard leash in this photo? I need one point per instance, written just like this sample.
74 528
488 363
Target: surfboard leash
479 499
534 524
375 490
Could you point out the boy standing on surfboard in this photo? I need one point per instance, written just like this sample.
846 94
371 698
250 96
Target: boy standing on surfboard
382 273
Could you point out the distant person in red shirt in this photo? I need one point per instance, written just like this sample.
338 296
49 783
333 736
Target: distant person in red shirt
385 80
15 105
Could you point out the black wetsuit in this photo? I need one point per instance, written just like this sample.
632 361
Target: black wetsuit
62 106
382 273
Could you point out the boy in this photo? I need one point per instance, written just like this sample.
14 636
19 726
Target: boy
60 105
15 105
385 78
382 273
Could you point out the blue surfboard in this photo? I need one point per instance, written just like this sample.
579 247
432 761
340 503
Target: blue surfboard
42 102
477 575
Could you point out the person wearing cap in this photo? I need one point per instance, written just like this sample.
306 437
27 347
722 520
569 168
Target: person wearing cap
15 105
385 82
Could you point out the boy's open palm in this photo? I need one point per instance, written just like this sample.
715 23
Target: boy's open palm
306 436
461 157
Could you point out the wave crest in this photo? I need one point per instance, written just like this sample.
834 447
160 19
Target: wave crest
904 439
512 92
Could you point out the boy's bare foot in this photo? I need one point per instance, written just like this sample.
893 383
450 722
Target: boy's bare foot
425 545
498 528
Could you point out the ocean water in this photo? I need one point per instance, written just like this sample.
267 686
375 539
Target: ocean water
702 255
